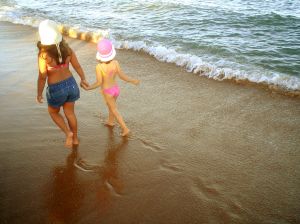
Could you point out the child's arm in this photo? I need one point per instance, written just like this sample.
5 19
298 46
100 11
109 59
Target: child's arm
98 81
41 79
124 77
78 69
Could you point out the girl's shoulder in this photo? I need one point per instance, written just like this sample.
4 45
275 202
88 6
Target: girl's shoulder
103 65
115 62
70 51
99 68
45 56
115 65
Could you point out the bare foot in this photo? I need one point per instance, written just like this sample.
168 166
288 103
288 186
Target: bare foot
69 140
109 124
125 132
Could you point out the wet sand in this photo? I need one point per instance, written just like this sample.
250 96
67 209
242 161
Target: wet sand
201 151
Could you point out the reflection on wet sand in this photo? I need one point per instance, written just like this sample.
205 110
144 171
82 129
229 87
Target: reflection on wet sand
66 191
65 194
109 183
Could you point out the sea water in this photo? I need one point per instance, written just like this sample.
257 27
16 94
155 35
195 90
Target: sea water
253 40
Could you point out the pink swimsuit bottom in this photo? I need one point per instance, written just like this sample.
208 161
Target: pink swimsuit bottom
113 91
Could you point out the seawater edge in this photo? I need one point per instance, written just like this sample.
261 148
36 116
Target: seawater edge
94 37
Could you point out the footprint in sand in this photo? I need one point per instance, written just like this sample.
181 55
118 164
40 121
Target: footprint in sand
225 206
171 166
152 146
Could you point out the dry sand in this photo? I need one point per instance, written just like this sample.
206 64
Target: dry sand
201 151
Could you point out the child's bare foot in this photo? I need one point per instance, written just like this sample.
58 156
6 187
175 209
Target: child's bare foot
69 140
125 132
109 124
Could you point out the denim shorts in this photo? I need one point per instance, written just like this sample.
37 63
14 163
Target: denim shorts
62 92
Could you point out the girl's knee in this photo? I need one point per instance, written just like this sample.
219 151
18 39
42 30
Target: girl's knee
69 113
111 106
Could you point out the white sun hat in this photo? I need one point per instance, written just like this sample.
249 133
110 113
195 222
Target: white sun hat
49 35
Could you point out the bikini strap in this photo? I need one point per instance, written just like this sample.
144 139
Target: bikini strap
102 71
57 66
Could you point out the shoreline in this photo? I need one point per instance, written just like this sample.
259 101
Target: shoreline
94 37
201 151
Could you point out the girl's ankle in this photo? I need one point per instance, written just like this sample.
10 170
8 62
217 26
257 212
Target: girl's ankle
68 133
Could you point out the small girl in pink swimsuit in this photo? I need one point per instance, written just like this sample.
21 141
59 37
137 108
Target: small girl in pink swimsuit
106 72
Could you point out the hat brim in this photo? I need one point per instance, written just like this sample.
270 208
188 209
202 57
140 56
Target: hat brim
106 59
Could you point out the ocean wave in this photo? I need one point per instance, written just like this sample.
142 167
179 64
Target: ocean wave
14 15
255 8
192 63
273 18
199 66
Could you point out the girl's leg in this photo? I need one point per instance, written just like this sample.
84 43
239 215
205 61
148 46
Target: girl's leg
72 120
60 122
111 102
111 118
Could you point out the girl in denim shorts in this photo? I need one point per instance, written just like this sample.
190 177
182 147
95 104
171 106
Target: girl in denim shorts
54 58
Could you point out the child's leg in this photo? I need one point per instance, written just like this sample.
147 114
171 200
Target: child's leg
111 102
72 120
111 118
59 121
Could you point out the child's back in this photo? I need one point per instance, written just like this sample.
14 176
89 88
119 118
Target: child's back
108 71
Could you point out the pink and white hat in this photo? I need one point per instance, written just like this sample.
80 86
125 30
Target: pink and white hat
105 50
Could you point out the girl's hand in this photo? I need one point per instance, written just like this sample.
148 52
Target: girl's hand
85 87
40 99
135 82
84 84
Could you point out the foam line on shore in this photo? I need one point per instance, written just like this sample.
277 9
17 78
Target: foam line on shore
288 85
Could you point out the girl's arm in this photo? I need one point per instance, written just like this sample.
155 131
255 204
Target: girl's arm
98 80
78 69
124 77
41 79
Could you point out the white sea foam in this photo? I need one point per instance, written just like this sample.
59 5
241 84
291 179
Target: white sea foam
195 64
218 72
13 15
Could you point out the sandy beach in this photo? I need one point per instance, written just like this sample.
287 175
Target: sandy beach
201 151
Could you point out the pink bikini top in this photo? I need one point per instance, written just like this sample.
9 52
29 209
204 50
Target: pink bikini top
50 68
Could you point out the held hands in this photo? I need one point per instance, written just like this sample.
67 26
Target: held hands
84 84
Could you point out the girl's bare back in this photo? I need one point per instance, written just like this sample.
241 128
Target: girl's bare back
109 71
